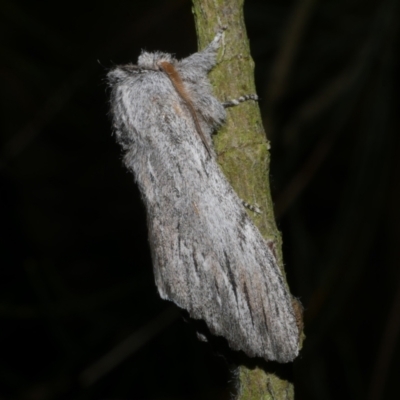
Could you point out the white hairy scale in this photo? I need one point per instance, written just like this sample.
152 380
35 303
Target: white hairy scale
208 256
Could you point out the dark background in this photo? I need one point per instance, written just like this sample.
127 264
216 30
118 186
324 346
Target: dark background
75 271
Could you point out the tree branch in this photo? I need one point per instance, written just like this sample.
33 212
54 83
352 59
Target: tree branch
242 150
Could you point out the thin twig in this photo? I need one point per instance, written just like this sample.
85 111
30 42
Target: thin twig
291 40
128 347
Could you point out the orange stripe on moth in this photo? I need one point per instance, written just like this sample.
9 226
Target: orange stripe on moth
179 86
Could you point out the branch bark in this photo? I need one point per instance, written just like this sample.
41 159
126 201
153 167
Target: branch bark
243 155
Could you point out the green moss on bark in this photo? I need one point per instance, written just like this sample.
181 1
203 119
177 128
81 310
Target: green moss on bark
243 150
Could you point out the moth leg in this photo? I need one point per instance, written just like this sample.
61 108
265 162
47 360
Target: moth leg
251 207
203 61
241 99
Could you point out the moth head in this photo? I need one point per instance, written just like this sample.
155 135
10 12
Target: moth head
116 75
152 60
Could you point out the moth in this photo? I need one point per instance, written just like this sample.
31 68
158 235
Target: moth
208 256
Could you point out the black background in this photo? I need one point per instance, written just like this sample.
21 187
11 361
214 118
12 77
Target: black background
75 270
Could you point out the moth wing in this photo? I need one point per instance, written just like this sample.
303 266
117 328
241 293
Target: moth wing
211 260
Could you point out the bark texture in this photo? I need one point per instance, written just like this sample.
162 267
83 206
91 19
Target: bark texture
243 153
